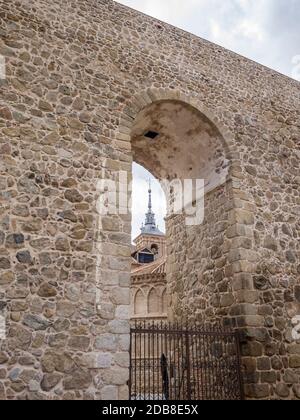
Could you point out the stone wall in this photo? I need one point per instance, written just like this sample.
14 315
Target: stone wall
78 74
200 278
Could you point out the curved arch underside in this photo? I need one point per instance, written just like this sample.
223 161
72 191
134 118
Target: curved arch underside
187 144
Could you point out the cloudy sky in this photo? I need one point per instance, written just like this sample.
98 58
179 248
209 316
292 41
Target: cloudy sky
267 31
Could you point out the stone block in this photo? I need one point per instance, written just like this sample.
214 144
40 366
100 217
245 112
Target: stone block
109 393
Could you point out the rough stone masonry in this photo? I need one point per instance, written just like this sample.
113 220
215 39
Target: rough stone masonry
84 80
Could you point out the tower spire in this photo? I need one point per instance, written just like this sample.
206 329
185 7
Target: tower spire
150 197
149 227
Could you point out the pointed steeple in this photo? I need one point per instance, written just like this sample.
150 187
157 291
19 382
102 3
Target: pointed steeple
150 227
150 200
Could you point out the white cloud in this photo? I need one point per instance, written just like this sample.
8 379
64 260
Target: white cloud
172 11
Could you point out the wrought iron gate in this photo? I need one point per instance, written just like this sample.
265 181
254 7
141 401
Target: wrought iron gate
169 362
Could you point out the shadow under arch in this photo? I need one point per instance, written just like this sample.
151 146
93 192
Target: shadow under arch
137 103
149 103
174 141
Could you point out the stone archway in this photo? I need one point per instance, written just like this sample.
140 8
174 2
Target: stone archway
175 137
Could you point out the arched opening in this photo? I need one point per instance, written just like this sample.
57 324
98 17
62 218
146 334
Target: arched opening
154 249
187 147
148 268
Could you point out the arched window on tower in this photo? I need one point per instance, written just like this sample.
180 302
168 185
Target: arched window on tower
164 302
154 250
153 302
139 303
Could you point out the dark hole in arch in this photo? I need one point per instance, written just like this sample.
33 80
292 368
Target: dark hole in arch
151 134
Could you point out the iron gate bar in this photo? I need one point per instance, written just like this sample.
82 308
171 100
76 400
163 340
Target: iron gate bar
177 331
188 367
168 361
239 364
